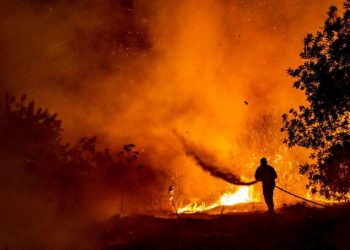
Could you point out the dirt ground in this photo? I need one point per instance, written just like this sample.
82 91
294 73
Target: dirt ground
293 227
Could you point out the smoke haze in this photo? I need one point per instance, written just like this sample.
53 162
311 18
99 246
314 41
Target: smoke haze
134 71
131 69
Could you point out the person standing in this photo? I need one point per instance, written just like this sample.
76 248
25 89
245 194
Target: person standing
267 175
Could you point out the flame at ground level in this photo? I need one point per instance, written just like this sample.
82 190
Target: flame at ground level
242 195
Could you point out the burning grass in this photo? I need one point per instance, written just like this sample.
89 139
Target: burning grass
243 195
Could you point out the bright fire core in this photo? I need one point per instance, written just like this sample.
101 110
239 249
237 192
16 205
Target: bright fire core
242 195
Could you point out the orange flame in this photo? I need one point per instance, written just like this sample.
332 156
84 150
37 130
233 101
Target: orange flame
244 194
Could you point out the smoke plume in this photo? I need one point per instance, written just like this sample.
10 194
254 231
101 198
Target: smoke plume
198 155
219 173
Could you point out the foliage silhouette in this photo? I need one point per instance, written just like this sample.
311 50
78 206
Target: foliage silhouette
67 172
323 124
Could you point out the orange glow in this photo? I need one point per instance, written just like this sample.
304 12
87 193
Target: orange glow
215 71
242 195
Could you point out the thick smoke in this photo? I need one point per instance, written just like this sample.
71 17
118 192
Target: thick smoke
133 71
205 161
219 173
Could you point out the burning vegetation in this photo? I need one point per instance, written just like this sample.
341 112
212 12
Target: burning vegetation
167 108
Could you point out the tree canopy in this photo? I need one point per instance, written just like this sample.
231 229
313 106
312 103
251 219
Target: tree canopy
323 124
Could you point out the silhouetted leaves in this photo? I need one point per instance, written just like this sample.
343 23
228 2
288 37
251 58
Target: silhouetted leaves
130 153
71 176
323 125
36 136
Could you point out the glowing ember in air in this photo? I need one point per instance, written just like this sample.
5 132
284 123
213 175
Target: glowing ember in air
242 195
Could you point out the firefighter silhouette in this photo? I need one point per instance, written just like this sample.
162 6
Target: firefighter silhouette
267 175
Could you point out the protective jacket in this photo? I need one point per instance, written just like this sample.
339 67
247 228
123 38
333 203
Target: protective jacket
266 174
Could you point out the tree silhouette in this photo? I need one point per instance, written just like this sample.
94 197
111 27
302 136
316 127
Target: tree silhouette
323 124
69 173
130 153
35 136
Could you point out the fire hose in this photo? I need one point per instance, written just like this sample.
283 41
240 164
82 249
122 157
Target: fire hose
228 176
316 203
171 188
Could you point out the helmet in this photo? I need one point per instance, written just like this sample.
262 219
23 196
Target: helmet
263 161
